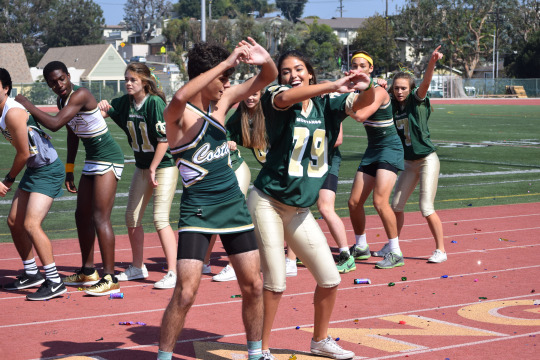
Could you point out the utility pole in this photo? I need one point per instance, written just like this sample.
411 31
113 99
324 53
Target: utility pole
203 20
340 7
387 44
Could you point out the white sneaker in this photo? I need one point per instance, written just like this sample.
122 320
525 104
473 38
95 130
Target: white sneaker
133 273
168 281
227 274
329 348
290 267
268 356
206 269
438 257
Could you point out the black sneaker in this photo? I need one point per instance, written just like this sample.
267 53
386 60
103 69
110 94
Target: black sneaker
48 291
25 281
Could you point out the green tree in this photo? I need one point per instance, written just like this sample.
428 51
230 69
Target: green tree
74 22
178 33
143 16
372 37
229 8
21 21
526 63
257 7
291 10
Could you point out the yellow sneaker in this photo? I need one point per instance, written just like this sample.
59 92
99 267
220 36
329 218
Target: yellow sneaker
79 279
105 286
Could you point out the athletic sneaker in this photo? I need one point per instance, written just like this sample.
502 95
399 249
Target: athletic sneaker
133 273
329 348
290 268
438 257
360 254
105 286
48 290
267 356
206 269
345 263
391 260
227 274
299 262
79 279
382 253
168 281
25 281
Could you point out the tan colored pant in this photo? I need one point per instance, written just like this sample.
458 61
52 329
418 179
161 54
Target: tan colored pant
141 191
425 171
275 221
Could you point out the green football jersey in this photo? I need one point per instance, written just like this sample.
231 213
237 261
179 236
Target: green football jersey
204 165
301 146
144 127
412 126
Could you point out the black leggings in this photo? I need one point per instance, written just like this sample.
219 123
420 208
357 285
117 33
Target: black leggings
194 245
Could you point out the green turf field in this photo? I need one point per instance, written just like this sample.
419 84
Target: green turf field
490 155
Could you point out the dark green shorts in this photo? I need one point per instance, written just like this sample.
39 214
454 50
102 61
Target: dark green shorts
46 180
225 218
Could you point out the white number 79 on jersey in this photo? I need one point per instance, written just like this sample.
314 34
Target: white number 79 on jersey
318 166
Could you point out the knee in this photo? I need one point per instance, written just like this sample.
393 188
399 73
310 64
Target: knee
12 222
325 209
31 227
253 288
131 220
184 299
353 204
161 223
380 205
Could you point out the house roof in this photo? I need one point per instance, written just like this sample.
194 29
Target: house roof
338 23
13 59
80 57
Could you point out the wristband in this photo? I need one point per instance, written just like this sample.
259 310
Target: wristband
70 167
370 84
9 179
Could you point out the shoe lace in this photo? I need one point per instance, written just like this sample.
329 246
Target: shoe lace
332 343
342 260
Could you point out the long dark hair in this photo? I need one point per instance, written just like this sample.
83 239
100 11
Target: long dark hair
147 78
403 75
254 131
297 54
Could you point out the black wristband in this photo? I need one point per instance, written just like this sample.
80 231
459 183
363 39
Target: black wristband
8 178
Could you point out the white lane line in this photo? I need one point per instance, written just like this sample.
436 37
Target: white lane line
401 354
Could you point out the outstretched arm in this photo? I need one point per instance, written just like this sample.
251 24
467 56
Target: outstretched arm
428 75
77 101
347 84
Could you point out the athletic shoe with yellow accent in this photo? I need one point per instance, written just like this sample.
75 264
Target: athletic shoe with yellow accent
107 285
80 279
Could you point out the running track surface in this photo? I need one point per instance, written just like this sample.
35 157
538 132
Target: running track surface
495 255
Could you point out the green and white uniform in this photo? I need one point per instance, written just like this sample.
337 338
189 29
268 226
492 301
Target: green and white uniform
384 144
145 129
301 147
421 161
211 190
44 172
102 153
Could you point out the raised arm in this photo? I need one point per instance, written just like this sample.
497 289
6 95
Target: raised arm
175 109
257 56
77 101
428 75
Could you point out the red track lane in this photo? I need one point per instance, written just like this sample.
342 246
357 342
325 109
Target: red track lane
496 255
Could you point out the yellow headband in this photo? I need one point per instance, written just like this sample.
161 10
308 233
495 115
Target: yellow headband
363 56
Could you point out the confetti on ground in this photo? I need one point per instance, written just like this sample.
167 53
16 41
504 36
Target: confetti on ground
337 339
475 280
402 322
403 278
482 298
444 276
100 339
391 284
293 357
453 242
236 296
298 328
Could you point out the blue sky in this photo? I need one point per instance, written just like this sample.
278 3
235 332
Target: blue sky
113 10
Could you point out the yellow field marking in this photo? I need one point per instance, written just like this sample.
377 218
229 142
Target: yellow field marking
488 312
378 338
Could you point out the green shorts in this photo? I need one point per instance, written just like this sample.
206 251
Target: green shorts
46 180
225 218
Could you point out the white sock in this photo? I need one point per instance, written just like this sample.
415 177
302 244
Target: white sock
51 273
361 241
394 245
30 266
346 249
